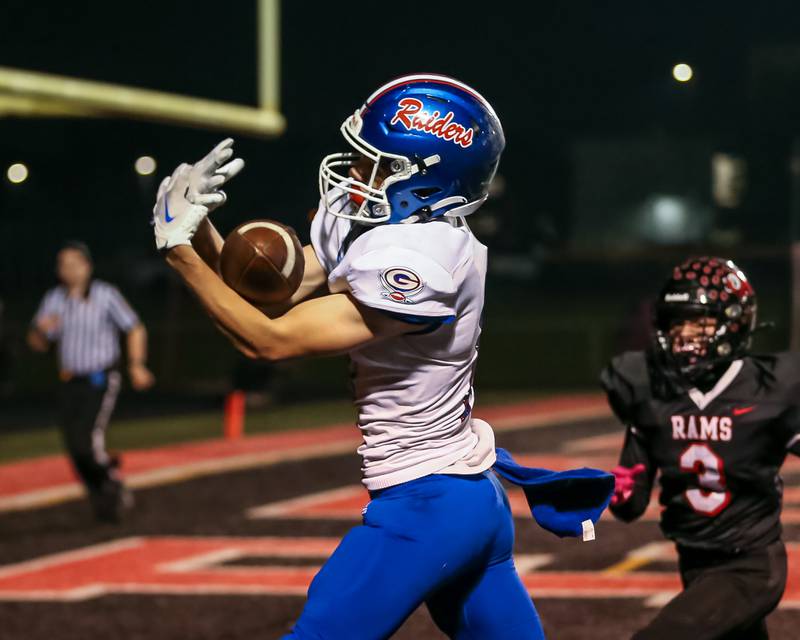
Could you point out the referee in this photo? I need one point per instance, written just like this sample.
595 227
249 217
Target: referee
84 317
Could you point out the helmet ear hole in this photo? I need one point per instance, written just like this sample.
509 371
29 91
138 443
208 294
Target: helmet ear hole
425 192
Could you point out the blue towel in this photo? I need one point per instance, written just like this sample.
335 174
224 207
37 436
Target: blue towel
560 501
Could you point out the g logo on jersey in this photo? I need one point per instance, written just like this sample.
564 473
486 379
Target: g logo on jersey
400 284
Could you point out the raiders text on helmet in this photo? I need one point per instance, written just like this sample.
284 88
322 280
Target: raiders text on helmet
435 142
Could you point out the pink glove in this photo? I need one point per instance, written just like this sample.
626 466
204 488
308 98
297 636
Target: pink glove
624 479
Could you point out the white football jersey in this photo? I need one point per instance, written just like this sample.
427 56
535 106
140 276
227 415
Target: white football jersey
413 392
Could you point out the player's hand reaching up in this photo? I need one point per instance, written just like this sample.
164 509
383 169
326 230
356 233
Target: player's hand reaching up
185 198
624 480
175 219
209 174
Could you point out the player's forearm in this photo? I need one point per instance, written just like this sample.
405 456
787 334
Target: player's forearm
314 281
632 508
635 457
136 340
207 242
249 330
634 505
240 346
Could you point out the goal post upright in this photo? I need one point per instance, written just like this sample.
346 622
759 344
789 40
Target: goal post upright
269 55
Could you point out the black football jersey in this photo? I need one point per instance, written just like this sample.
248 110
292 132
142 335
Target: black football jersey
718 452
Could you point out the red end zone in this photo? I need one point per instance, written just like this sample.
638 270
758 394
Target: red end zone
43 481
176 565
284 566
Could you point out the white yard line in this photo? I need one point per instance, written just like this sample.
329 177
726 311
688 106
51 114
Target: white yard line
64 557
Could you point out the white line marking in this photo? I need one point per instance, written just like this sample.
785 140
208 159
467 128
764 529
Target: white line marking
530 562
653 551
659 600
41 497
189 470
284 507
65 557
99 590
201 561
72 595
181 472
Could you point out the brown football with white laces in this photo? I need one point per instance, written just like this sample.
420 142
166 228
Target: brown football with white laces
262 260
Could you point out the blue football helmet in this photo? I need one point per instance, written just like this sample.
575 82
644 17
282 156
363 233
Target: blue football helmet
435 142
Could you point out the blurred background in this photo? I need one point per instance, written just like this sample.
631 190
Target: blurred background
637 133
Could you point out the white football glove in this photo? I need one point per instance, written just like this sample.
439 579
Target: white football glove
186 197
210 173
175 219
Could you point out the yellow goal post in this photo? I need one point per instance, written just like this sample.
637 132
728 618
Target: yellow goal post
35 94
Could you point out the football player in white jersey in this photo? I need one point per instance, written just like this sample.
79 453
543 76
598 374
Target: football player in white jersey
403 284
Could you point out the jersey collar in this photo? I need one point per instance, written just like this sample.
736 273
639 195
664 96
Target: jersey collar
702 400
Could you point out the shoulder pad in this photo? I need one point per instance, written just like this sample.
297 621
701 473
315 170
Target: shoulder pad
626 380
632 367
398 280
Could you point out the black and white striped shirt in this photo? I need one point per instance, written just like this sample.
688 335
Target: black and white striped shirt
88 335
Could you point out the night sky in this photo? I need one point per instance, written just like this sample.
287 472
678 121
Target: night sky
557 73
594 121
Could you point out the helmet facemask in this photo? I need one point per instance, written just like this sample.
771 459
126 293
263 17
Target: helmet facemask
694 341
704 320
370 199
692 344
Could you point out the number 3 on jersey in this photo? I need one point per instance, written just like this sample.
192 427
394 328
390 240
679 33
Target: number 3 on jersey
713 497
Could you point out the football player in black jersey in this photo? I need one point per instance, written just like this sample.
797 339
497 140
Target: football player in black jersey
717 422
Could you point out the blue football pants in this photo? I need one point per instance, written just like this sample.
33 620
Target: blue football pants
444 540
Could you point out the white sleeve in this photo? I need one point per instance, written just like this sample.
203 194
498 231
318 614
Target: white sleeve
398 280
123 316
319 239
327 234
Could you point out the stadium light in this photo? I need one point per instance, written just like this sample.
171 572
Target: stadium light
682 72
17 173
669 215
145 166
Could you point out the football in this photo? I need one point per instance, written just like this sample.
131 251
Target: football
262 260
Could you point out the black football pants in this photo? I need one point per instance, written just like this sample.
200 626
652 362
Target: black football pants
87 403
724 597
